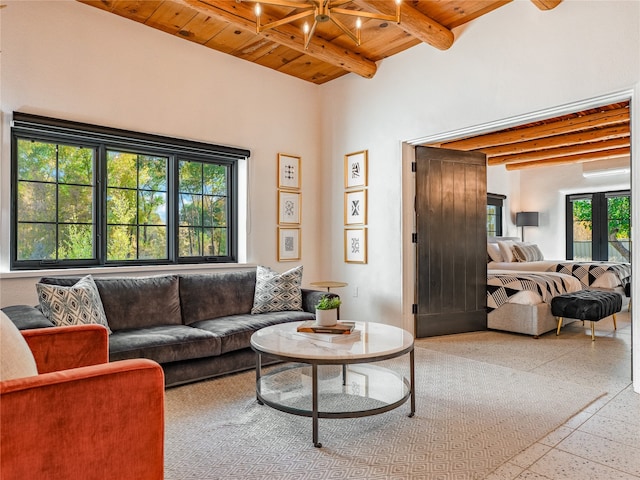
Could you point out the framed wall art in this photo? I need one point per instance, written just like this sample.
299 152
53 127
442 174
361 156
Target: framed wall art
355 245
289 175
355 207
355 169
288 244
289 207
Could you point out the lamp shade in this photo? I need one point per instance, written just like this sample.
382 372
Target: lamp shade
527 219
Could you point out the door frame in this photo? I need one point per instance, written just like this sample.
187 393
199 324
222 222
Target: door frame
408 194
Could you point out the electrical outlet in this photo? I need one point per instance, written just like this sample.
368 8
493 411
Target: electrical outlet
355 291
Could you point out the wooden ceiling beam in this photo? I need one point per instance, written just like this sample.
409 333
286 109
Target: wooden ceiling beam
571 125
240 16
586 136
589 157
413 22
578 149
546 4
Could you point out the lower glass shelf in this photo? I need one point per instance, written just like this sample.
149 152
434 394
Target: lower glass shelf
367 390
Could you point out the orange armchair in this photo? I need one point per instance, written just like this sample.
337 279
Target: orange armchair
82 417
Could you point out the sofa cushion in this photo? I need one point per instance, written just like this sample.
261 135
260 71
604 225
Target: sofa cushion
16 359
135 302
163 343
235 331
72 305
277 292
26 316
215 295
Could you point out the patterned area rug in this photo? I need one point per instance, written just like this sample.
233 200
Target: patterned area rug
470 418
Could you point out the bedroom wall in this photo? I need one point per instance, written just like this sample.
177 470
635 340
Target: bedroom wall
510 62
544 190
68 60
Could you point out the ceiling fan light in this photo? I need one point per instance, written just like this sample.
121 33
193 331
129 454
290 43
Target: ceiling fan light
258 10
358 23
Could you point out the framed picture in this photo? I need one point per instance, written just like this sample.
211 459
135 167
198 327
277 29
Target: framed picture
289 207
288 244
355 245
355 169
289 174
355 207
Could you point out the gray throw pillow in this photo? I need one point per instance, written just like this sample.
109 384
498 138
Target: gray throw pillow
76 305
277 292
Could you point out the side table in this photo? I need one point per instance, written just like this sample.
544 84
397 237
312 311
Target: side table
328 284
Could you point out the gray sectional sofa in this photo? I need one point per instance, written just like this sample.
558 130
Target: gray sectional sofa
196 326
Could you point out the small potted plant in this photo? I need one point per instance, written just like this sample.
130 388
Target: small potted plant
327 311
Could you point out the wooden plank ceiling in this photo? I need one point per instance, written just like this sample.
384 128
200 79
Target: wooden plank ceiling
601 133
229 26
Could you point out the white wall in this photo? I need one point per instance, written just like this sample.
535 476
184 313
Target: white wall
510 62
544 190
68 60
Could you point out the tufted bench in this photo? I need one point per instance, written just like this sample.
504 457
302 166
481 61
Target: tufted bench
592 305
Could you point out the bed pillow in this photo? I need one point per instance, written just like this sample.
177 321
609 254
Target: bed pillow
494 252
76 305
527 252
506 249
277 292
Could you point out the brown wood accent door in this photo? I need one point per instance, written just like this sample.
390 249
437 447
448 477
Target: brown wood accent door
451 250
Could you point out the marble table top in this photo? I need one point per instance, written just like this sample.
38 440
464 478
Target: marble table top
376 340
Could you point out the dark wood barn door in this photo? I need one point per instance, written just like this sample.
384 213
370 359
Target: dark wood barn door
451 234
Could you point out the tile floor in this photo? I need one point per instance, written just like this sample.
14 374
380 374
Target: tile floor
602 442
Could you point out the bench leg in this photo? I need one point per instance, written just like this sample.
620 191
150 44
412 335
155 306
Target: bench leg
593 331
615 326
559 326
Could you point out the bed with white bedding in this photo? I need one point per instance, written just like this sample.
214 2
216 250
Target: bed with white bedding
527 311
507 253
519 301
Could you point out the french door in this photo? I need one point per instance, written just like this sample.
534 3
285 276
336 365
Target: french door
599 226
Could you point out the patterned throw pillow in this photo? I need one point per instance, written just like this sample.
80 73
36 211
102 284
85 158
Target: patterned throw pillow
277 292
76 305
527 252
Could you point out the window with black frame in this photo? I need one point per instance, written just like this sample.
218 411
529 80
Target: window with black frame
495 203
85 195
599 226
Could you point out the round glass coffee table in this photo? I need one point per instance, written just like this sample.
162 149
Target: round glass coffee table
339 379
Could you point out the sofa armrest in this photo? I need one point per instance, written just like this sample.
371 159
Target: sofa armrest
62 348
99 422
311 297
26 316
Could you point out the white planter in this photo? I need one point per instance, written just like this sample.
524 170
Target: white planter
327 318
